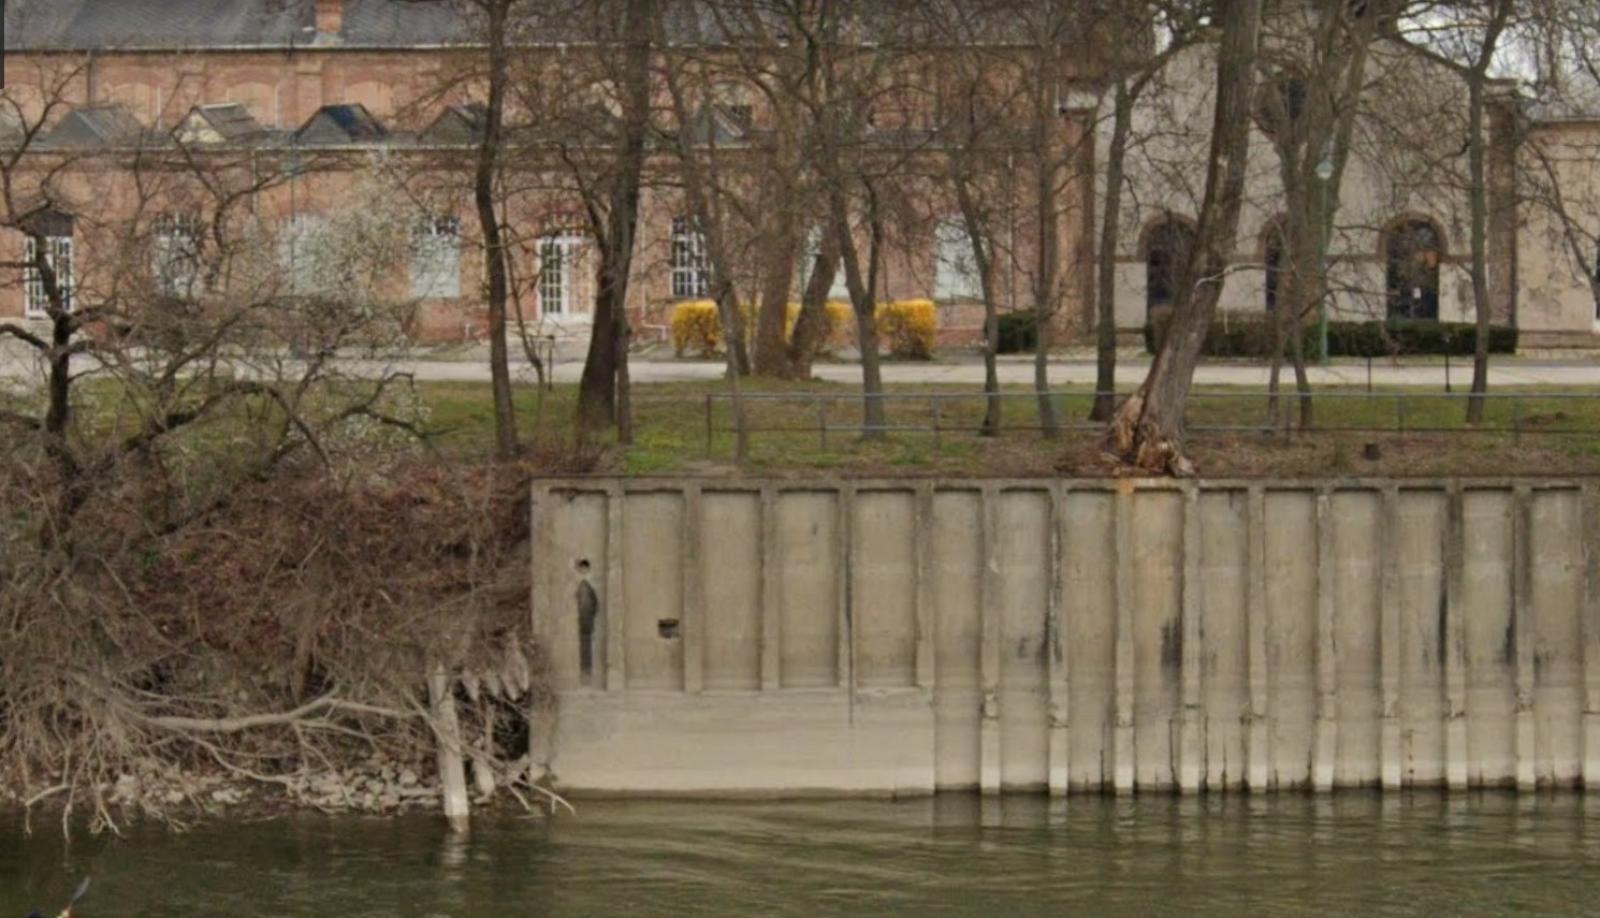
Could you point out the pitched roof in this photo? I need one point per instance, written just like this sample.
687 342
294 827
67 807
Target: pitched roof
341 124
457 125
162 24
96 125
191 24
229 122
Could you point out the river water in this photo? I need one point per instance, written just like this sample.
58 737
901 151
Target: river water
1349 854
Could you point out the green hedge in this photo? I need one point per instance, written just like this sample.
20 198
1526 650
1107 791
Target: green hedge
1252 337
1019 333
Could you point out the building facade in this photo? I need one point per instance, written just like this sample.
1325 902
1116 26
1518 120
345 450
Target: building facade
368 108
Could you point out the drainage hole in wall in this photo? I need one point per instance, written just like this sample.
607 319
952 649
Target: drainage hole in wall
582 565
667 628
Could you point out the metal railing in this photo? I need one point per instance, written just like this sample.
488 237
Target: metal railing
1279 414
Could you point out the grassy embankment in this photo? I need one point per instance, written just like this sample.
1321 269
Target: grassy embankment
785 438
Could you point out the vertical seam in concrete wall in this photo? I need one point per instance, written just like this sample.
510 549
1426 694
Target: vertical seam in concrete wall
1454 649
771 594
844 530
1056 647
1391 763
1258 755
1589 631
1123 749
1521 613
922 550
694 594
989 646
1327 741
616 605
1191 761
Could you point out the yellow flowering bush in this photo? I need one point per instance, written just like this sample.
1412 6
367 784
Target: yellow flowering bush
695 324
910 327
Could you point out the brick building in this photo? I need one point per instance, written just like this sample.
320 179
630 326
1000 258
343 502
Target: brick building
362 105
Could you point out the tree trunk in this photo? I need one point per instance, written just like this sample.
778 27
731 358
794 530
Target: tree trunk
1147 431
982 257
863 299
1478 193
505 416
605 369
1047 294
1110 237
771 352
811 326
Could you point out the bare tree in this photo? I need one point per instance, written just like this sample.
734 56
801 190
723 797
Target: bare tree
1147 431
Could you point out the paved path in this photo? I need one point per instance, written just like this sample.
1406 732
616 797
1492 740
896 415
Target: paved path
1068 371
1065 370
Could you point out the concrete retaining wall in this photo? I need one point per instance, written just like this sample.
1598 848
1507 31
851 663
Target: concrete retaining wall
905 637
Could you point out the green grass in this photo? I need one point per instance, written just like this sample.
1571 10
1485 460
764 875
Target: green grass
813 427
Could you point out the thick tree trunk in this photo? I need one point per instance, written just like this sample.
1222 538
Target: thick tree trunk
863 286
505 415
811 326
605 369
782 252
1147 431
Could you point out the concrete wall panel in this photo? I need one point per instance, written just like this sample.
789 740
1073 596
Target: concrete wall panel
883 588
1291 633
1357 541
1422 524
1022 595
957 546
1224 561
1089 614
1157 634
809 616
1490 657
730 569
653 621
1556 551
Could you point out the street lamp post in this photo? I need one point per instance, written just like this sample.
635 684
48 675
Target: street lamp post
1325 231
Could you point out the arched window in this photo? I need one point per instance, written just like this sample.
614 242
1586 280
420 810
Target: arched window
1273 257
1413 250
1166 255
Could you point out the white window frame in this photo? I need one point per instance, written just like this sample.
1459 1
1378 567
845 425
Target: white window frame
955 263
691 271
175 254
561 257
436 258
59 255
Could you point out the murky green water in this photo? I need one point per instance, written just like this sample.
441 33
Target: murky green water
1418 854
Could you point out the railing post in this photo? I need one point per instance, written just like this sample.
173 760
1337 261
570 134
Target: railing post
708 425
1400 412
822 421
741 444
933 403
1516 420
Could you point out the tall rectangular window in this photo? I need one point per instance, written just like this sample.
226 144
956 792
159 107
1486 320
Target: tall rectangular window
691 275
436 258
175 254
563 275
307 256
58 255
955 266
